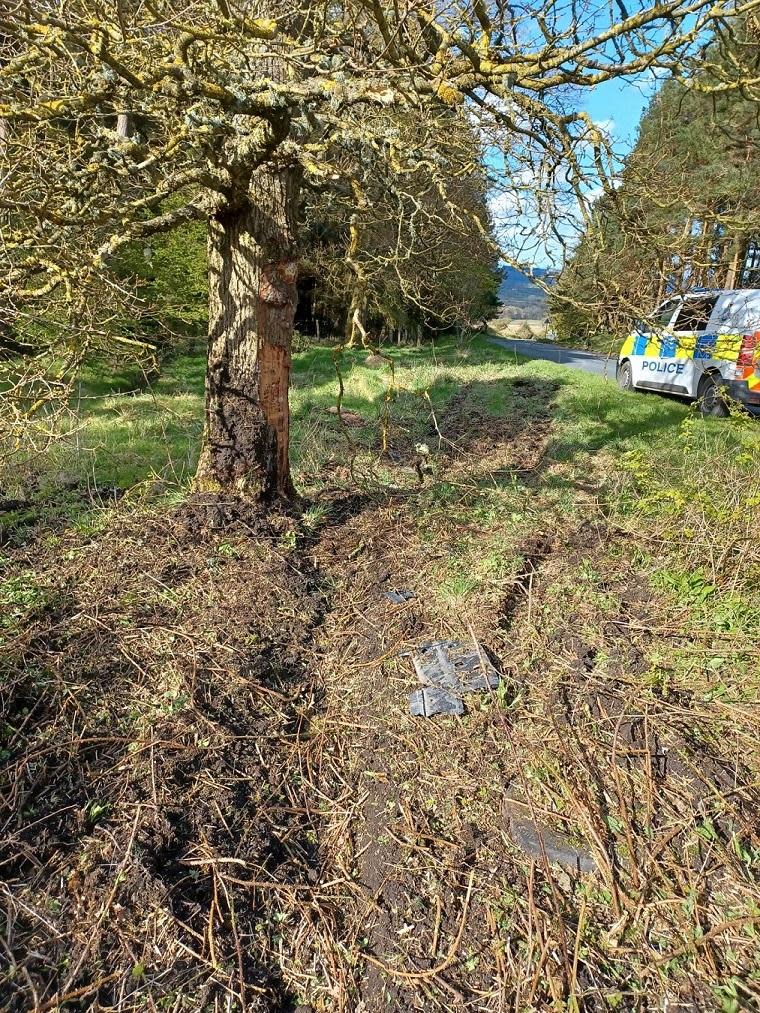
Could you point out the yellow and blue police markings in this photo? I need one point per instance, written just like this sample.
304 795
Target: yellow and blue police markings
705 348
668 359
658 359
686 346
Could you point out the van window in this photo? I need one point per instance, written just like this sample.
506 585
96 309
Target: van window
695 314
661 317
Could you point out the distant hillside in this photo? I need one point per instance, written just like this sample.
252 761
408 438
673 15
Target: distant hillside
520 297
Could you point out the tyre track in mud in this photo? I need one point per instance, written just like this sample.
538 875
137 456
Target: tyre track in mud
156 707
363 558
410 901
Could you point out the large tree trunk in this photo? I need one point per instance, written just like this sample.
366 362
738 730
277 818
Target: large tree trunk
252 303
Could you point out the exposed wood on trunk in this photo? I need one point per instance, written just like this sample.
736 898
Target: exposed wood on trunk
733 267
354 321
252 302
355 325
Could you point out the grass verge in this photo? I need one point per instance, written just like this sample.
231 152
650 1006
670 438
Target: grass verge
215 794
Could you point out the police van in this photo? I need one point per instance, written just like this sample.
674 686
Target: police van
704 344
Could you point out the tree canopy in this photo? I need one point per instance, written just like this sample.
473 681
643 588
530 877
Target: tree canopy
687 211
123 121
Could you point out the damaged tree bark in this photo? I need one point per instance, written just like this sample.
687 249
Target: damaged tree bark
252 303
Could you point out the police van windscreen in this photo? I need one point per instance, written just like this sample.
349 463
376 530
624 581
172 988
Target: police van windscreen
662 316
695 314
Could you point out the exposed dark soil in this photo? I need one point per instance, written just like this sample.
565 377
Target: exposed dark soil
149 714
470 432
430 822
21 519
412 872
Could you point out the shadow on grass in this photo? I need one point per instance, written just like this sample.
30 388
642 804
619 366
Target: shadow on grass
152 437
595 414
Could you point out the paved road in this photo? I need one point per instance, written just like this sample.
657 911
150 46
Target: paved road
587 361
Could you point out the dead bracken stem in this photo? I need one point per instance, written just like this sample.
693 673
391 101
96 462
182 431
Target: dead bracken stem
431 972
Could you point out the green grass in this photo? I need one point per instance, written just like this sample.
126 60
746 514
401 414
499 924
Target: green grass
141 434
131 428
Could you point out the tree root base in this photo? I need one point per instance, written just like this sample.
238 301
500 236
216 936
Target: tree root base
208 512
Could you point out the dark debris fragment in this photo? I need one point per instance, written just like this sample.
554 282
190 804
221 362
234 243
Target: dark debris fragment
453 668
429 701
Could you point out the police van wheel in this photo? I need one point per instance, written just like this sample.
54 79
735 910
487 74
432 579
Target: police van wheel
625 376
710 398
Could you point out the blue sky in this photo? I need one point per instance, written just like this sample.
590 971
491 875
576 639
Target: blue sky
616 107
620 104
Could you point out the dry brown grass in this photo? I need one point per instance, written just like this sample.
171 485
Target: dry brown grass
214 797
